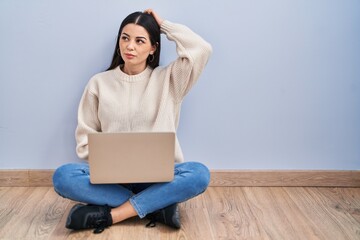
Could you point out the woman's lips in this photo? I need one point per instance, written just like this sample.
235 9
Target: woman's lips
129 56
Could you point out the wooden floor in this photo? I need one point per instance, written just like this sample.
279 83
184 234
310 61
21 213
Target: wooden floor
219 213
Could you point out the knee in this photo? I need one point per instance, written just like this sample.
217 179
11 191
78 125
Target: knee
59 177
200 176
62 177
203 175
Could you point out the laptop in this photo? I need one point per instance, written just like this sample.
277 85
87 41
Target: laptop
131 157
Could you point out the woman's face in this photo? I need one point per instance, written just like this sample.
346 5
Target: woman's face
135 46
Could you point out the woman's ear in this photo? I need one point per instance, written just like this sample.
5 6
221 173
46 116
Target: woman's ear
154 48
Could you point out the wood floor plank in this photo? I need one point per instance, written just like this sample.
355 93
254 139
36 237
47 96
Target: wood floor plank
133 228
23 210
11 206
229 219
332 205
3 190
344 199
196 223
250 227
219 213
314 207
292 215
50 211
60 232
273 210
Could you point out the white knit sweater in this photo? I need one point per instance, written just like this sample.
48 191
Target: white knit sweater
147 102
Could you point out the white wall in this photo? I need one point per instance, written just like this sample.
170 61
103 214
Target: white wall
282 90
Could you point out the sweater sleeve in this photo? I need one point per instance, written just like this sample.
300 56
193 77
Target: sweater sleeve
193 54
88 122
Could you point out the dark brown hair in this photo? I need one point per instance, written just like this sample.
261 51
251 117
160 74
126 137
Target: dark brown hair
148 22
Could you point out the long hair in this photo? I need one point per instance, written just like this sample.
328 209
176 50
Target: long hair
148 22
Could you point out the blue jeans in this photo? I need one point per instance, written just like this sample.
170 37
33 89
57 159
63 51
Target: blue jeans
73 181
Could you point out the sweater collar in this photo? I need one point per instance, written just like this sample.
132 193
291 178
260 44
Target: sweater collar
120 75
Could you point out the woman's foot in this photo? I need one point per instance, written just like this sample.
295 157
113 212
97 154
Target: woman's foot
89 216
169 216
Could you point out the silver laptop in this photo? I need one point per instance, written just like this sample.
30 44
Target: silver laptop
131 157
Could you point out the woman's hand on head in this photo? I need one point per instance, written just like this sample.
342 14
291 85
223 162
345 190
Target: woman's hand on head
158 19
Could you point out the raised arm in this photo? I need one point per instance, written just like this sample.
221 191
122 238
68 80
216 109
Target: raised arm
193 54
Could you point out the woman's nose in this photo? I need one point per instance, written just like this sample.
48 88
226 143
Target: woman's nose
130 46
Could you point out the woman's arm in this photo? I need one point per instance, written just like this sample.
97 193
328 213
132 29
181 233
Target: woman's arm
193 54
88 122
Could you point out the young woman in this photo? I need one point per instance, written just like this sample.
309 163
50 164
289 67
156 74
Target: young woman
136 95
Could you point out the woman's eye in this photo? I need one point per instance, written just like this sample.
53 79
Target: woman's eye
124 38
140 41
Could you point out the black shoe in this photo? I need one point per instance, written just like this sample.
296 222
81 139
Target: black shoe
169 216
89 216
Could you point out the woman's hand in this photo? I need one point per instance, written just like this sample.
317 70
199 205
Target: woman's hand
158 19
